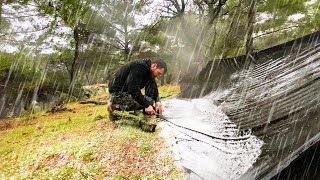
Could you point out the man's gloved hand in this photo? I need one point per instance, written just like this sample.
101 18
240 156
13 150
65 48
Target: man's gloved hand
150 110
159 107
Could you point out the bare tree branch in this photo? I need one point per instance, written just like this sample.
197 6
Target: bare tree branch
174 7
122 43
168 9
113 46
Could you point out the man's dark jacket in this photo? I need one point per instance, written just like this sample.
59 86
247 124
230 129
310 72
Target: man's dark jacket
131 78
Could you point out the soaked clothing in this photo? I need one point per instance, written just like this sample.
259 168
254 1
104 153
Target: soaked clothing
125 102
125 87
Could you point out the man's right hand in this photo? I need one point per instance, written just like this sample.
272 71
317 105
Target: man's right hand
150 110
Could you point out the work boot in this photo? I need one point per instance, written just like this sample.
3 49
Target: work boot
110 108
146 127
148 123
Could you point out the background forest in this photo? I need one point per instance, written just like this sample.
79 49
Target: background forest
51 48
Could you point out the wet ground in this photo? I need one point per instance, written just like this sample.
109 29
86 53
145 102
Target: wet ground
206 143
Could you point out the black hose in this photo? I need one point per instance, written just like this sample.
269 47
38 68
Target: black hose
211 136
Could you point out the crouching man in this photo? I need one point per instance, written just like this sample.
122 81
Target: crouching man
125 87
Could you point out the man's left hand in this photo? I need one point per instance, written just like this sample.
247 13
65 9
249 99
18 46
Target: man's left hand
159 107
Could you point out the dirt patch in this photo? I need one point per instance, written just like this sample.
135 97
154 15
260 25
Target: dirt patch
56 160
5 124
105 125
10 124
59 108
128 163
25 121
99 101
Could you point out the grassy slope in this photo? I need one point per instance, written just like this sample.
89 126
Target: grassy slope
81 144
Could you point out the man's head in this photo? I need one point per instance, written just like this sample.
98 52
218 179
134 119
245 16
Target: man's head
158 67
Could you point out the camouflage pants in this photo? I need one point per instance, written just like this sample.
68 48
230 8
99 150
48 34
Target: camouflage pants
126 102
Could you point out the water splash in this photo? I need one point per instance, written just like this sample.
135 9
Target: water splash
203 156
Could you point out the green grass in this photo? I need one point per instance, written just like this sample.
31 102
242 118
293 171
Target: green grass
82 144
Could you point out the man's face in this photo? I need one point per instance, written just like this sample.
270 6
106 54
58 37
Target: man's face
155 71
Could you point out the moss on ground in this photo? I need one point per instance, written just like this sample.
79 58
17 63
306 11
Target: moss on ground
82 144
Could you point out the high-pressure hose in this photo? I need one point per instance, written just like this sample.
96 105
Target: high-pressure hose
161 117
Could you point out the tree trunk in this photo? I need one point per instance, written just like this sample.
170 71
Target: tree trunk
214 9
126 45
197 55
126 40
74 68
233 29
162 79
1 2
249 43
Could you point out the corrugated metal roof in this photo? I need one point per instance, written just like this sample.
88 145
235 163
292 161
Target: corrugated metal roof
277 98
